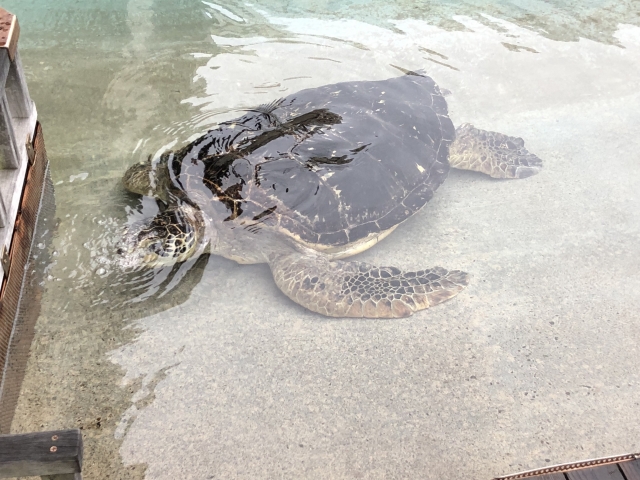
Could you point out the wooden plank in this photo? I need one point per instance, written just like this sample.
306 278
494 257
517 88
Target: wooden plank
5 66
631 469
43 453
4 219
11 181
603 472
22 290
17 123
20 102
70 476
535 475
8 145
605 468
9 32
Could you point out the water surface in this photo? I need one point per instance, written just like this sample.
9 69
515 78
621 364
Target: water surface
534 363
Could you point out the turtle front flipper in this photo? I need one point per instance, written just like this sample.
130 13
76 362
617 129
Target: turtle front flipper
492 153
357 289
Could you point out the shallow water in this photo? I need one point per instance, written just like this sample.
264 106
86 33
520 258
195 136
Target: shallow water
534 363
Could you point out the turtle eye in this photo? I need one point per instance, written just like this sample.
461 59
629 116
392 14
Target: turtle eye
156 247
147 235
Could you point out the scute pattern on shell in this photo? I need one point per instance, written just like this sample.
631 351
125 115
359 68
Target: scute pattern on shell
329 165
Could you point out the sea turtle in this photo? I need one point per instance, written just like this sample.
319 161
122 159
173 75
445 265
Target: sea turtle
315 177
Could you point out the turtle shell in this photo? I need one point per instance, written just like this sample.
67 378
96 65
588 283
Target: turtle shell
330 165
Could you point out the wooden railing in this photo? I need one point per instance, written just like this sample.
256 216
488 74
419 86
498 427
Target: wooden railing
18 118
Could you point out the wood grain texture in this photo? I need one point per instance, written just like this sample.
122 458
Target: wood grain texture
20 102
21 291
43 453
66 476
9 32
604 472
631 469
8 141
550 476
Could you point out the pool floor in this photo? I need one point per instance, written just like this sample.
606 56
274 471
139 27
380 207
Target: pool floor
208 371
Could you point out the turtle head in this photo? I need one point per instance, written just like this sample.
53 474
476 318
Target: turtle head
148 178
172 236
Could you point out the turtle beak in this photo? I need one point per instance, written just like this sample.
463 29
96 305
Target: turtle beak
132 252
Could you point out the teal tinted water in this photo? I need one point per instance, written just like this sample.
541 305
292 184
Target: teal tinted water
535 361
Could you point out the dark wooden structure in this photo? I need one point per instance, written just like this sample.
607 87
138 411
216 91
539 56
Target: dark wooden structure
55 455
621 467
24 170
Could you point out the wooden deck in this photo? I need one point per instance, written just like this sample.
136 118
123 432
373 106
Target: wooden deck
621 467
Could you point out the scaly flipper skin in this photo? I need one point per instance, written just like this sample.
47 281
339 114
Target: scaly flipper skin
357 289
492 153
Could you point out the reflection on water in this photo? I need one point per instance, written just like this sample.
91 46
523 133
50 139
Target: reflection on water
535 361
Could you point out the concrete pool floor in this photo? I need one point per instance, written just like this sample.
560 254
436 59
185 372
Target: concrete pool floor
534 363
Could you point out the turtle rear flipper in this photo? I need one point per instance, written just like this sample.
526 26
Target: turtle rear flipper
492 153
356 289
